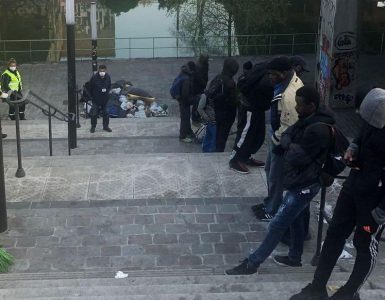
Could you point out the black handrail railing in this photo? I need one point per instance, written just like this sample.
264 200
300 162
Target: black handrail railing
50 112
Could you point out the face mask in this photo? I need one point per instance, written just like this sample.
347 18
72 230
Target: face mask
102 74
12 68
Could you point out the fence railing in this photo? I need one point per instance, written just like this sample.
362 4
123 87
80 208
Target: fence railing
153 47
54 50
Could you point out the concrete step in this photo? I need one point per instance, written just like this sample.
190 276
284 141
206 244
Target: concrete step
121 128
181 287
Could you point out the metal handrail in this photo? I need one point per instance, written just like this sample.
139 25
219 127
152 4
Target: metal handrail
221 43
268 43
51 112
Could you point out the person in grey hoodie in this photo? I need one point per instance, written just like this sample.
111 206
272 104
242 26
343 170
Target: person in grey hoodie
360 206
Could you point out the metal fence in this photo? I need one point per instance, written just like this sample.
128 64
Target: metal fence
54 50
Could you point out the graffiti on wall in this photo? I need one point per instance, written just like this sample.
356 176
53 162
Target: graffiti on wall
344 67
324 68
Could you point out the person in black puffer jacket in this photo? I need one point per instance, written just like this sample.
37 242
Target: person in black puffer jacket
303 143
100 87
226 103
360 206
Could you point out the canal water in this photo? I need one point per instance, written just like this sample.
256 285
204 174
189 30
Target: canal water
35 30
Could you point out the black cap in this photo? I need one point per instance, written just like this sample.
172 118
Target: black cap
297 60
281 63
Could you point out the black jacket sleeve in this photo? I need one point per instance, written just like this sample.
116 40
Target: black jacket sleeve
5 80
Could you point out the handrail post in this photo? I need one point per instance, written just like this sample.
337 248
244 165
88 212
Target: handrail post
50 130
270 44
30 51
3 202
292 44
315 259
129 48
20 171
382 44
153 47
77 108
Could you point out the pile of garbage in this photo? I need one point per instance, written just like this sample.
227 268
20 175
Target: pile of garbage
127 101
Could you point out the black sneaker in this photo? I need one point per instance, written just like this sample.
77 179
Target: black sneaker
343 294
238 167
245 268
266 217
258 207
284 261
252 162
311 293
92 130
108 129
3 135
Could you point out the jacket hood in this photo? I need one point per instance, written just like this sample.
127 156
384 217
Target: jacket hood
230 67
186 70
203 59
372 109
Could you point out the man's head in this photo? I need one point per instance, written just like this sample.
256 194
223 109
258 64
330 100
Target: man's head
102 70
279 69
298 64
307 101
12 64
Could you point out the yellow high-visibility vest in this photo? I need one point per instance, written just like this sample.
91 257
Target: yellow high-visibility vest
15 80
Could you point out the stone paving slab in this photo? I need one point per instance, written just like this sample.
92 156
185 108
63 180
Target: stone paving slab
171 234
102 177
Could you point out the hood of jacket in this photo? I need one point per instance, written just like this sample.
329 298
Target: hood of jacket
372 109
230 67
186 70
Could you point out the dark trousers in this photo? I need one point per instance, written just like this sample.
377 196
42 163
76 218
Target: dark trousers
95 111
250 134
185 123
11 111
223 129
352 211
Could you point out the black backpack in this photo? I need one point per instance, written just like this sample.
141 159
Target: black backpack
334 163
256 88
215 90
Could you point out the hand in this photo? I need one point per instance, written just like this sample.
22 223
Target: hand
4 95
349 156
350 160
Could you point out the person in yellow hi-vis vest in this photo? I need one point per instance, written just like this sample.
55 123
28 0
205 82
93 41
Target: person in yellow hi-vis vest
11 82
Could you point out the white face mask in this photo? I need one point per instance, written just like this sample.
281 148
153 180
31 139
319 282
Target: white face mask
12 68
102 74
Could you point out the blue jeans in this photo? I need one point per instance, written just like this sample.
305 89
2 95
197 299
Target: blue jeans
274 177
290 214
209 141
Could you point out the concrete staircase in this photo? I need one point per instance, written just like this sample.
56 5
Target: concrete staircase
139 201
